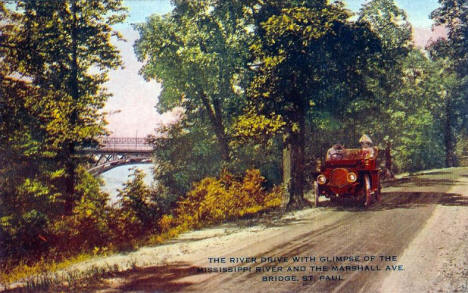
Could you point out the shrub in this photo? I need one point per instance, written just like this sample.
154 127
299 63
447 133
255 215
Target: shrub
88 225
215 200
138 212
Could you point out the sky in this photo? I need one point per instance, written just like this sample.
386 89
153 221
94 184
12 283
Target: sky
132 109
418 10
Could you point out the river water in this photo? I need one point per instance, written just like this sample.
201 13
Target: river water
116 177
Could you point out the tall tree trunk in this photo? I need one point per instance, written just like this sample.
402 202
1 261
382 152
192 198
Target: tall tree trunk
215 116
287 164
388 161
449 139
297 150
74 92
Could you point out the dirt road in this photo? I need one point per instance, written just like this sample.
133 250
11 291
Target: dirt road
415 240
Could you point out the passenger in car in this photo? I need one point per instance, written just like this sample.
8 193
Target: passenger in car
336 152
366 146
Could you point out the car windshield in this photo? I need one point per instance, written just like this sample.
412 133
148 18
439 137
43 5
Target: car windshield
354 154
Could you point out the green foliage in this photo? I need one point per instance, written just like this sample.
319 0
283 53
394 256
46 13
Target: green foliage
27 176
409 120
452 52
294 43
65 51
186 152
199 53
386 72
421 145
183 153
138 212
412 106
54 59
88 225
390 23
256 127
257 144
453 14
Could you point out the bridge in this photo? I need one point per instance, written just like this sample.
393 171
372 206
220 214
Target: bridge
118 151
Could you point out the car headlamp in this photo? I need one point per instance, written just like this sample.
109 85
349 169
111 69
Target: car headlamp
321 179
352 177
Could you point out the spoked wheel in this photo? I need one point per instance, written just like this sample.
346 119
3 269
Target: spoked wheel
367 191
316 194
378 195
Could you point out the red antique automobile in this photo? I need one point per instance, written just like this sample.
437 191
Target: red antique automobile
350 174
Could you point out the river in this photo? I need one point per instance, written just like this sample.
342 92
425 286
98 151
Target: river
116 177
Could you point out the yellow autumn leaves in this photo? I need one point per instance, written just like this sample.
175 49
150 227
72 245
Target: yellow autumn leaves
214 200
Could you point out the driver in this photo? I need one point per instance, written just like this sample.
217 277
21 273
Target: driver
336 152
366 146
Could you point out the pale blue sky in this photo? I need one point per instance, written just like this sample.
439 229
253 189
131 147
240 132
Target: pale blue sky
417 10
139 10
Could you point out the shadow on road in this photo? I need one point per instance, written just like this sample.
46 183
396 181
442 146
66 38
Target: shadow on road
433 181
412 199
400 200
394 200
166 278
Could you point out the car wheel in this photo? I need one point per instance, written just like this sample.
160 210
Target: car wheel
316 194
367 190
378 195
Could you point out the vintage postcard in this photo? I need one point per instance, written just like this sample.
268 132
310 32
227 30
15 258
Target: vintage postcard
233 146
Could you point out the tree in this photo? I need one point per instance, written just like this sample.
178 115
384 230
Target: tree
198 52
453 14
310 59
25 196
65 48
25 199
54 56
414 112
390 23
184 153
451 108
138 212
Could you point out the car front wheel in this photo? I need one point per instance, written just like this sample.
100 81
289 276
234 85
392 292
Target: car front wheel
316 194
367 191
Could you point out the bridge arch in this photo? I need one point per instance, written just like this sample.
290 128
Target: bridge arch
117 151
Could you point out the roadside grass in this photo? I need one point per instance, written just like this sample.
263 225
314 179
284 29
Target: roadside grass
61 275
39 272
46 279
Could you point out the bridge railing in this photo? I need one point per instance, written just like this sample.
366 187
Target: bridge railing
123 140
122 143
